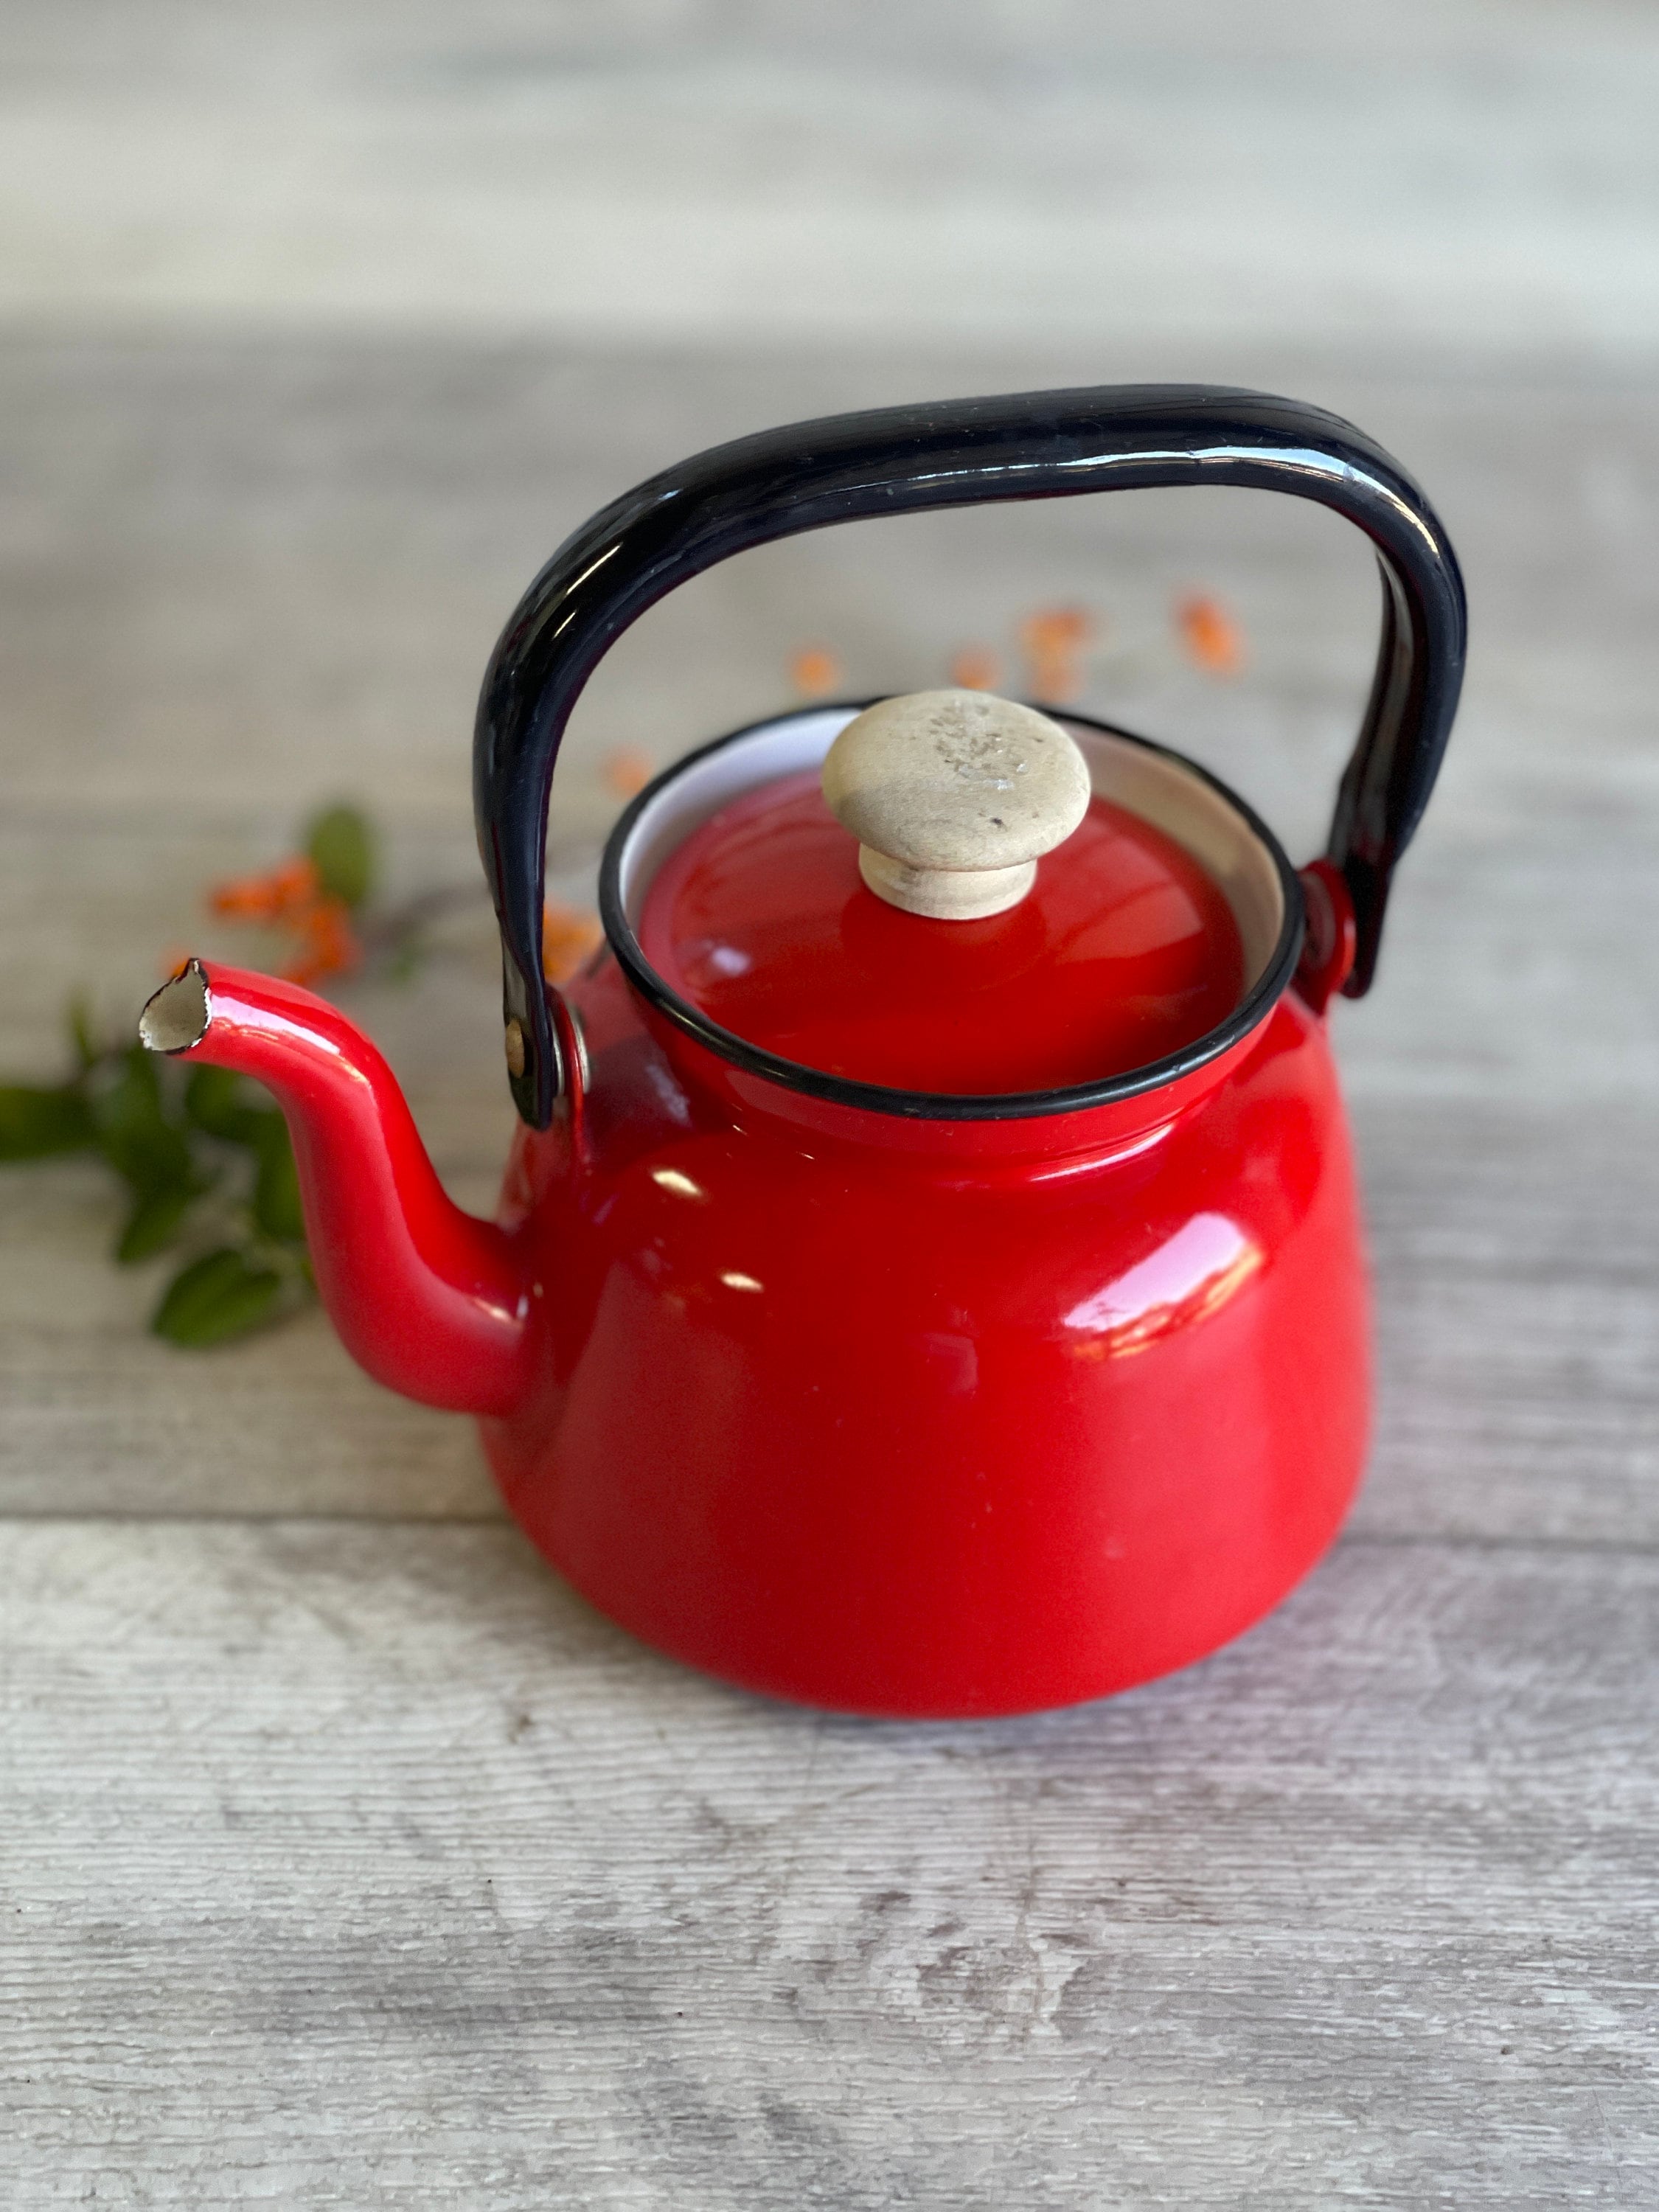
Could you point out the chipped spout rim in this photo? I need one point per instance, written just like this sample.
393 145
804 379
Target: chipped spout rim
177 1017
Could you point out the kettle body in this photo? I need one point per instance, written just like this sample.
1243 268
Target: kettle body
895 1403
904 1416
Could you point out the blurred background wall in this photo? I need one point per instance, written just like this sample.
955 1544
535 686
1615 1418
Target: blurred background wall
1099 182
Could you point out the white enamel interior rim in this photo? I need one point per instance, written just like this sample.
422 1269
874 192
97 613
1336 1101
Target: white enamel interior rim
1162 791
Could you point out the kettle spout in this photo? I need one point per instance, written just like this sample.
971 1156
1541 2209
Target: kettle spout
430 1300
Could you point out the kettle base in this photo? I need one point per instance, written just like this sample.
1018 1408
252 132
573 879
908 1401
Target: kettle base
982 1701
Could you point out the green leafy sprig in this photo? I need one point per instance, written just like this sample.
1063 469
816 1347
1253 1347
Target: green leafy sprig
208 1169
340 845
203 1155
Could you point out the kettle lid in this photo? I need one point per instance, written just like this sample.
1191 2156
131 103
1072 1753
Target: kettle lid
951 905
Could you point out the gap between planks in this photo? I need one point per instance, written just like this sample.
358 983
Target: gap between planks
1357 1541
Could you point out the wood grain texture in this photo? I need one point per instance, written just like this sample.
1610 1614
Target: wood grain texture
383 1871
1517 1266
306 582
361 1863
347 1859
647 173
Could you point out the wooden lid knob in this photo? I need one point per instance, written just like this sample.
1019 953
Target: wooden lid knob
953 797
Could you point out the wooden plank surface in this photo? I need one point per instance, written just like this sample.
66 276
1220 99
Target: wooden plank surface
348 1859
384 1872
355 1862
1503 1073
1438 172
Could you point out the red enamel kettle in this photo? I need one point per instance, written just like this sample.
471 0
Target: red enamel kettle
928 1275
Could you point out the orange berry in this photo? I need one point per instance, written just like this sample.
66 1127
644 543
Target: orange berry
1052 641
815 672
1055 676
975 668
280 891
625 769
570 935
1052 627
328 944
1212 640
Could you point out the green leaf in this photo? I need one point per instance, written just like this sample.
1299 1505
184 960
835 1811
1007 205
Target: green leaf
153 1224
340 847
34 1122
220 1295
136 1138
78 1020
276 1205
216 1100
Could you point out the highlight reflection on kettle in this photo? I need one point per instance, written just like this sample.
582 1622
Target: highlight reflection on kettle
928 1277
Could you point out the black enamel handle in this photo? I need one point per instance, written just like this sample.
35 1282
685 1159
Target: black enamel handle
959 452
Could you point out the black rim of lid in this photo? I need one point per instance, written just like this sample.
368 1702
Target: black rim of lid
934 1105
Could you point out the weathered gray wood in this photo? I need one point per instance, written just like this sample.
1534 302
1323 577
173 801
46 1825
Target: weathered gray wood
1517 1263
381 1870
349 1860
350 1864
1504 1069
1427 175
